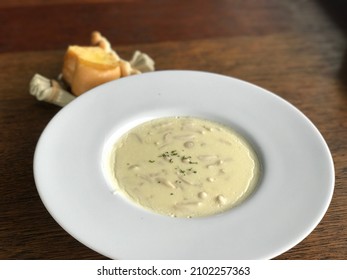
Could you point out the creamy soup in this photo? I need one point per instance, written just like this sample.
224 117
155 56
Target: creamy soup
184 166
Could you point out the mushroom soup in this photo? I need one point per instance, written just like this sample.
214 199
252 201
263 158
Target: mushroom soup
184 166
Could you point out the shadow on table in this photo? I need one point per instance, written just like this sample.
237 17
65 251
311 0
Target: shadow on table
337 11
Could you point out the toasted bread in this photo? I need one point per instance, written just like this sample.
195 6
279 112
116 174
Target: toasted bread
87 67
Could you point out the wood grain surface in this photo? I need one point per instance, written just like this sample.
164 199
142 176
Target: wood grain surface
296 49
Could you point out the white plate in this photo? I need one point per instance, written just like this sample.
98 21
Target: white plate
291 199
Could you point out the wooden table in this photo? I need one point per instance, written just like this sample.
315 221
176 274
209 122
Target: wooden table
296 49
